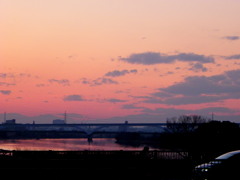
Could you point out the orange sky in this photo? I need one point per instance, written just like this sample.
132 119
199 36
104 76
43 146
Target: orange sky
128 59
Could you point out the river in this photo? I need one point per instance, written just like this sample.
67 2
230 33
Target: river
65 144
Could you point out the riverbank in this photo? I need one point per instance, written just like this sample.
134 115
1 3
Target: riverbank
75 144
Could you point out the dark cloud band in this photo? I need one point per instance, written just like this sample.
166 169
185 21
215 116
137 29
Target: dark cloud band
150 58
199 89
117 73
232 38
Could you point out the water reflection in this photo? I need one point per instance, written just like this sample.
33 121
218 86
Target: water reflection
64 144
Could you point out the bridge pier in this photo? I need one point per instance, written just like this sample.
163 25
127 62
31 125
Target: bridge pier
89 139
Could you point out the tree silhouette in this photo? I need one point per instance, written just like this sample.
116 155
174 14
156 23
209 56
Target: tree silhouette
184 123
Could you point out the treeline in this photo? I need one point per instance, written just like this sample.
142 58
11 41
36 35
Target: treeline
193 134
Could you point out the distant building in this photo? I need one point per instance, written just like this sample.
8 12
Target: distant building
58 121
12 121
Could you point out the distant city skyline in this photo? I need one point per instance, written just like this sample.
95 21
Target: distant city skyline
109 60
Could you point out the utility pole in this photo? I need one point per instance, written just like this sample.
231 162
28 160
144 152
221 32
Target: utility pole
212 116
4 117
65 117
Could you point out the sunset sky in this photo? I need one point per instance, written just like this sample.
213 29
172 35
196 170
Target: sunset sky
117 60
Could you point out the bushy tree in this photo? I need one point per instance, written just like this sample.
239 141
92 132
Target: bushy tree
185 123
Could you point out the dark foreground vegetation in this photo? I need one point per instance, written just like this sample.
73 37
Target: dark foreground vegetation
96 164
202 138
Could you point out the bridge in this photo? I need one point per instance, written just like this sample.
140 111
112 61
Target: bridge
78 130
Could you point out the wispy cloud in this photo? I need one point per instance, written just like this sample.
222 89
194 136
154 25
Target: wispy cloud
114 100
3 75
131 106
18 76
5 92
64 82
150 58
161 114
232 38
41 85
198 67
98 81
236 56
117 73
7 84
73 97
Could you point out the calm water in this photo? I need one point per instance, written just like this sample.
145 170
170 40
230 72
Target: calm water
64 144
